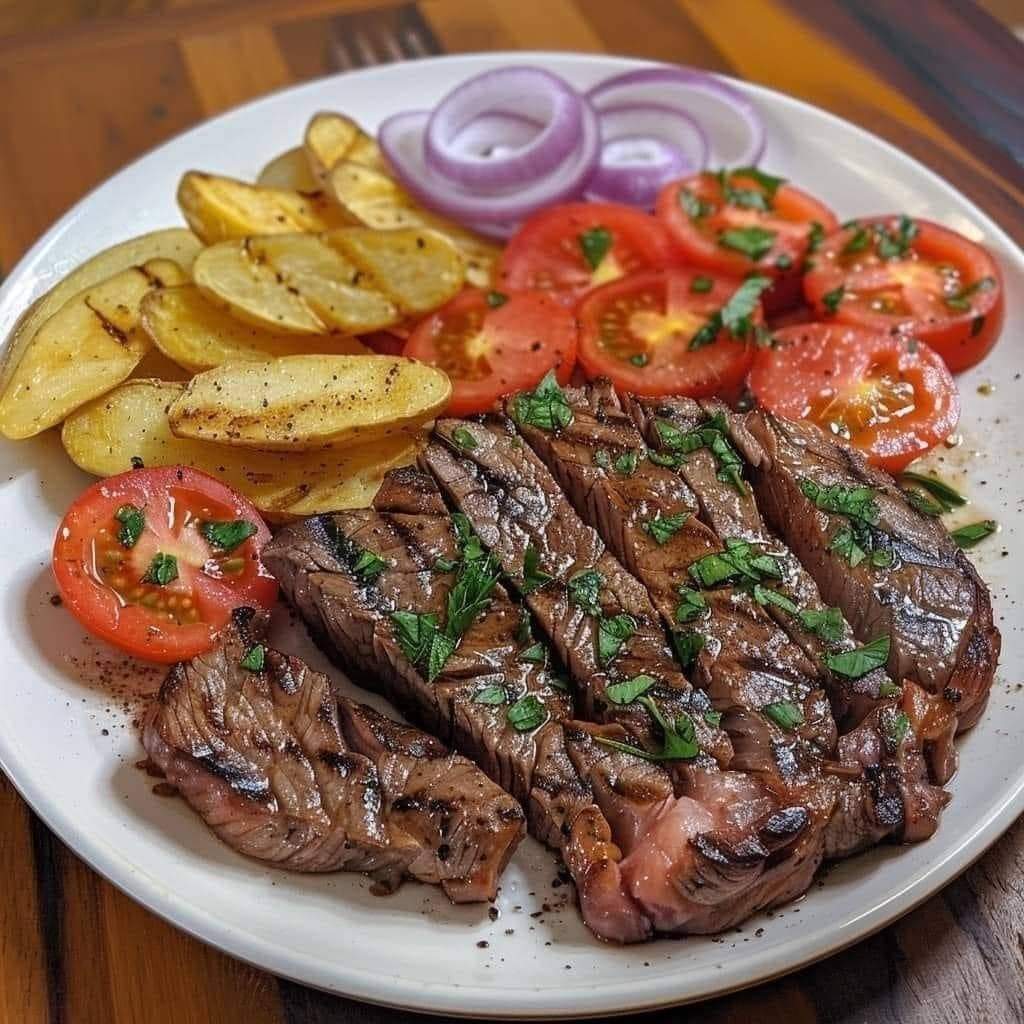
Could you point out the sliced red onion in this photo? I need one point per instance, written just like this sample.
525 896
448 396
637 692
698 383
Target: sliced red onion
644 146
534 94
733 127
401 138
495 135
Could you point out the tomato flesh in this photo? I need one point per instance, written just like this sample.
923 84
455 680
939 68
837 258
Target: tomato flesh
550 251
735 224
119 591
890 396
915 277
492 344
638 332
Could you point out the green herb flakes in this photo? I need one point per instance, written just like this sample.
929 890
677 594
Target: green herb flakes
827 624
626 463
533 576
492 695
629 689
545 407
133 522
663 528
226 536
785 714
584 590
162 570
701 284
595 245
830 300
693 605
464 439
752 242
861 660
536 654
496 299
973 533
687 644
254 658
612 635
526 714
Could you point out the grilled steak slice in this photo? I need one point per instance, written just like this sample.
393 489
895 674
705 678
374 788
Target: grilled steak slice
891 569
468 702
284 770
517 508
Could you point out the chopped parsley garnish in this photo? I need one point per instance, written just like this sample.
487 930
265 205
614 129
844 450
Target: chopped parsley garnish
711 436
893 245
629 689
895 726
133 522
713 718
740 561
362 562
784 261
496 299
752 242
693 605
887 688
527 713
923 504
612 634
679 738
545 407
584 589
536 654
464 439
490 695
764 596
254 658
858 242
707 333
162 570
961 300
830 300
855 540
693 206
826 623
595 244
443 564
687 644
938 489
973 533
470 595
815 236
533 575
469 543
734 316
640 359
665 459
701 284
663 528
368 565
861 660
785 714
226 536
626 463
602 459
769 182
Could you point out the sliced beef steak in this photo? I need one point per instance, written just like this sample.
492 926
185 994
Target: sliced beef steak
889 568
284 770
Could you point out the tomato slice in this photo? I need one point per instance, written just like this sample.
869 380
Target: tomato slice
155 560
890 396
492 344
575 247
737 222
652 334
893 273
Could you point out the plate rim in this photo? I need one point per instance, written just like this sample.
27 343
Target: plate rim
478 1001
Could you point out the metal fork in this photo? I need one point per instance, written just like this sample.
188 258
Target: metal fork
362 39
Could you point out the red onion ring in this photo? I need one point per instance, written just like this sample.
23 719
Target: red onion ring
401 138
495 135
734 128
538 96
644 146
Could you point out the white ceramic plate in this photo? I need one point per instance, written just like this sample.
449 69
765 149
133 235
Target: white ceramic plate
414 949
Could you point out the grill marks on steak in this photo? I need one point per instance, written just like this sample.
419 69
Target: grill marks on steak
410 528
283 769
930 600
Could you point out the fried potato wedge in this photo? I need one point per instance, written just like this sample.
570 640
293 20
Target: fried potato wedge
177 244
351 279
302 403
332 137
86 348
290 170
130 422
219 208
193 333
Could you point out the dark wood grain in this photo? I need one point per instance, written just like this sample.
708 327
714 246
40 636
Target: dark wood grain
90 84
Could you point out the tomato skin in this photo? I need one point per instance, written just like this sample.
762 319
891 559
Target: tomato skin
545 253
490 351
131 626
715 369
957 335
791 216
813 371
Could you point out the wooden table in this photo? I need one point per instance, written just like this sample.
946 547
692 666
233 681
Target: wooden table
87 86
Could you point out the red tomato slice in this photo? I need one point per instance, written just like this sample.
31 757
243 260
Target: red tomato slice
491 344
746 223
638 332
890 396
162 591
573 248
913 276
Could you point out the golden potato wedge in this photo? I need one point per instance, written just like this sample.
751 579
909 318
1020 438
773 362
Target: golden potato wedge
376 200
301 403
131 422
332 137
290 170
177 244
350 279
193 333
219 208
154 365
86 348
